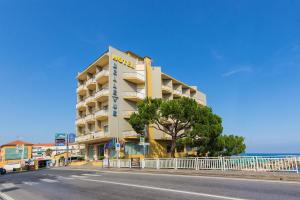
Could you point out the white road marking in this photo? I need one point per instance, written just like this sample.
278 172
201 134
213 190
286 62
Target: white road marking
48 180
8 185
5 196
164 189
29 183
76 176
91 175
62 177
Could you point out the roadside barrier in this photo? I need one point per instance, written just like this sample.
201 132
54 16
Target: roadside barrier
256 163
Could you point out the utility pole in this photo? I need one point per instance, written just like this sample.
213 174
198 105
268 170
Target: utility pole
67 148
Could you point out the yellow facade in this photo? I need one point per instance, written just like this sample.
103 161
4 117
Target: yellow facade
107 94
6 161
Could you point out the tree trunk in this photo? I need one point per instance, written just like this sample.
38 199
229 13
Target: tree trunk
173 146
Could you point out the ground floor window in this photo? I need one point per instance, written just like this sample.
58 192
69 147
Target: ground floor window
100 151
132 148
14 154
91 152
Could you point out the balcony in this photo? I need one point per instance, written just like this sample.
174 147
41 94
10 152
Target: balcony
134 96
80 104
102 76
127 134
166 89
81 89
80 121
126 114
134 77
92 136
98 134
89 118
101 114
90 100
102 95
177 93
83 138
91 83
186 95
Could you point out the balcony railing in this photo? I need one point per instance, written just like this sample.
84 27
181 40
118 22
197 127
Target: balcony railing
101 93
83 138
90 99
130 133
166 88
90 81
80 120
101 114
135 77
126 114
89 118
98 134
80 104
135 96
81 87
178 92
100 75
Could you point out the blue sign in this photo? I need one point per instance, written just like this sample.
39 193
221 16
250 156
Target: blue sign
60 139
72 137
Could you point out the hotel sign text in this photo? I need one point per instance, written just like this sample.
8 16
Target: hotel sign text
122 61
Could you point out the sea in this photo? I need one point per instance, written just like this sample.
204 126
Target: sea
271 154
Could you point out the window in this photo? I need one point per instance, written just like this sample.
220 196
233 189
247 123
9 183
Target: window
12 154
105 128
132 148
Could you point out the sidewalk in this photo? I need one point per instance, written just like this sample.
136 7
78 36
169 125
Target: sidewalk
279 176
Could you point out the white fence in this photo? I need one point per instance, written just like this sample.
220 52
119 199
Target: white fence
274 164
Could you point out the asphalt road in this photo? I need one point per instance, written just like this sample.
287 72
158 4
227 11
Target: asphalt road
70 184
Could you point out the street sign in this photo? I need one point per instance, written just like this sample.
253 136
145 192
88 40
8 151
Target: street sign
118 146
72 137
142 140
60 139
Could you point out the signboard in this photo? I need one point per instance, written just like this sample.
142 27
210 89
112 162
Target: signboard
60 139
115 90
72 137
118 146
142 140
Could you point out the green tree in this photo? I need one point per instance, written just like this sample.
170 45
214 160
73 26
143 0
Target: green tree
175 117
205 133
48 152
232 145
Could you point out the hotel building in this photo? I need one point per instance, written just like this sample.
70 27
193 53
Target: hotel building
107 94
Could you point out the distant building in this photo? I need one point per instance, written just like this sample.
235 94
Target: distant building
15 151
39 151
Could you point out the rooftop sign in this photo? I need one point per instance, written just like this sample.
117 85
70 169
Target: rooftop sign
122 61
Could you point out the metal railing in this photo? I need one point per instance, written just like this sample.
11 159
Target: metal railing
130 133
135 94
267 164
102 92
102 73
136 74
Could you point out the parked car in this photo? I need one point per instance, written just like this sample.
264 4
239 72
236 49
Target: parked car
2 171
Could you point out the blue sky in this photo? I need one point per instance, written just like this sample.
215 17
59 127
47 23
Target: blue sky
245 55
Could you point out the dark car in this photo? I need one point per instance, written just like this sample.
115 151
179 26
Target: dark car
2 171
